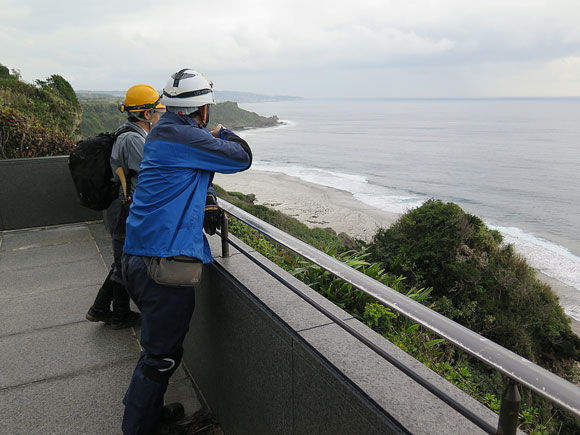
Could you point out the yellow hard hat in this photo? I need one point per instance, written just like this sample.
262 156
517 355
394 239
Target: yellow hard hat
139 98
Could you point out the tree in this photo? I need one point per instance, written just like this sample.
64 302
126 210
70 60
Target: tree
16 74
4 72
58 85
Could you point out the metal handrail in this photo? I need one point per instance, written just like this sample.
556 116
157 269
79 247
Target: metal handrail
541 381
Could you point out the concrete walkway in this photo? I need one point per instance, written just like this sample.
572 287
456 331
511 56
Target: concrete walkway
59 373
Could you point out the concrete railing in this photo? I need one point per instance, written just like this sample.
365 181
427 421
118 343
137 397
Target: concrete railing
37 192
267 362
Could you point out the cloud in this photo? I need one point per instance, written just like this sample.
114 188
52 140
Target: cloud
112 44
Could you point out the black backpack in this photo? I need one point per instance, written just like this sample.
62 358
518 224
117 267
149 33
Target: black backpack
90 167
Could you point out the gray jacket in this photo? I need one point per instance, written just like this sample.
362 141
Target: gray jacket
127 153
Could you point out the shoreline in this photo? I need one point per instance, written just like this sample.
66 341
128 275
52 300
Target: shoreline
566 294
312 204
277 123
320 206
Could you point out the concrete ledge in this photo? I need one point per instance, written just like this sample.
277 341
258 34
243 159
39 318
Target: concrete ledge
268 362
37 192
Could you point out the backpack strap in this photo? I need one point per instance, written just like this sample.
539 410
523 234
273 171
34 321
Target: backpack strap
123 129
121 176
124 178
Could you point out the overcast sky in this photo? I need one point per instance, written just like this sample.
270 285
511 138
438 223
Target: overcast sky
309 48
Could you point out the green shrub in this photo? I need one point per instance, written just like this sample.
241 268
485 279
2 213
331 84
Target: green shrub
484 285
37 120
22 137
479 282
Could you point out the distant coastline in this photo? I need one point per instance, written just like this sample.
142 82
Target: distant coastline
221 96
100 113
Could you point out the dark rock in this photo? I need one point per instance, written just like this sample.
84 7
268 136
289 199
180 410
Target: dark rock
348 242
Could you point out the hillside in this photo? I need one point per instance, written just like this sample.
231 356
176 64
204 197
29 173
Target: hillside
40 119
229 114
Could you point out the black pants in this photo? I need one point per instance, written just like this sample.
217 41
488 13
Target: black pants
112 289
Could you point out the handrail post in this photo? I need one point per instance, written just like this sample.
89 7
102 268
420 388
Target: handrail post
509 410
224 235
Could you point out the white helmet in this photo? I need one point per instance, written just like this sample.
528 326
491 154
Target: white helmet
186 91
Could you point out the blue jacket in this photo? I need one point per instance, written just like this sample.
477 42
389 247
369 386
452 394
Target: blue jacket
179 161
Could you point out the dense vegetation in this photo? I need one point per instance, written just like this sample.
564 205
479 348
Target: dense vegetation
38 119
100 116
479 282
450 261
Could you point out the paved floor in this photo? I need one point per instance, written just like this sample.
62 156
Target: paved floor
59 373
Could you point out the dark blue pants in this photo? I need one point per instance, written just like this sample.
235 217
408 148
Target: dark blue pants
165 316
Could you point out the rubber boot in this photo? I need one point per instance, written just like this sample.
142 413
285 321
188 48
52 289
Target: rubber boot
100 311
123 317
172 413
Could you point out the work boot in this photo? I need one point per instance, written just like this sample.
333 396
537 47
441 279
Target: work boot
95 315
172 413
123 317
100 311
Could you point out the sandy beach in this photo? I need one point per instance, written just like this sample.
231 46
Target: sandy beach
312 204
320 206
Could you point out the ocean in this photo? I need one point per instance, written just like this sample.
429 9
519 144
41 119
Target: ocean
513 162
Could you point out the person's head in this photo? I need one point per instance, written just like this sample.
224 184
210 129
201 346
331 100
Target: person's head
189 93
142 104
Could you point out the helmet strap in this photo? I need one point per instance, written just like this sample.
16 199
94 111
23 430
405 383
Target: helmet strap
148 121
205 121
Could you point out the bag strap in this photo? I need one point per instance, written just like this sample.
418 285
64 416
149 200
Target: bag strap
121 176
120 173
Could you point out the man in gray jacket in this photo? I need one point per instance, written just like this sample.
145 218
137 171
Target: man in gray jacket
144 110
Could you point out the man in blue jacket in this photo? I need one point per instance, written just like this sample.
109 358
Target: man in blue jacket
166 220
